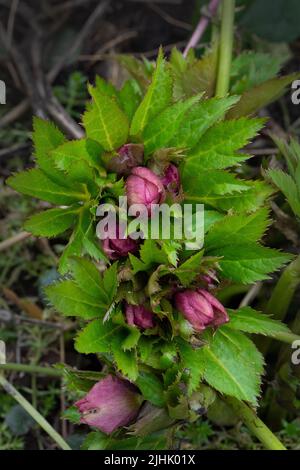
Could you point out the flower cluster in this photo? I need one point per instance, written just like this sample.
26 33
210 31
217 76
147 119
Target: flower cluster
154 315
114 402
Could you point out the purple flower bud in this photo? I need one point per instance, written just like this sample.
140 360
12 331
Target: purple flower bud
201 309
129 156
116 248
144 187
171 180
139 316
220 314
111 403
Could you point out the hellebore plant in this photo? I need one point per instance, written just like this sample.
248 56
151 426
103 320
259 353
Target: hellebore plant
153 314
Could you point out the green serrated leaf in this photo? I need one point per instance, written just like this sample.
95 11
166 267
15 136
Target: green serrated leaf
96 440
159 132
233 365
72 414
210 218
70 300
261 96
150 255
68 153
46 137
87 276
105 122
192 360
157 98
252 68
100 441
140 70
199 119
208 187
106 88
78 238
249 262
52 222
197 77
96 337
110 280
130 97
78 380
125 360
219 146
250 200
288 187
171 248
91 245
132 338
36 184
151 387
250 321
237 229
189 270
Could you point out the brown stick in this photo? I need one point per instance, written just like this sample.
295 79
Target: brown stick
97 13
13 240
14 113
201 27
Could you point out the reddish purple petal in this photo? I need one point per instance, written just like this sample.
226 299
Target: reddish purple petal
111 403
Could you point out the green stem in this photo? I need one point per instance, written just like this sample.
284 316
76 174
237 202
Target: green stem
255 425
288 338
284 291
10 389
32 369
282 296
226 46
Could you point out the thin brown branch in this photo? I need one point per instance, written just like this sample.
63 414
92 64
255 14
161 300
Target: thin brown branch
11 20
62 118
108 46
202 26
85 31
251 295
6 152
15 113
169 19
13 240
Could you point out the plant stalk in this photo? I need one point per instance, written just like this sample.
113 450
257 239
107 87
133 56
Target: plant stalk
282 296
284 291
226 46
254 424
288 338
10 389
202 26
31 369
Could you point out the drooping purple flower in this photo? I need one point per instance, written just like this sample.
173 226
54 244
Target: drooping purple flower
201 309
171 180
116 245
128 157
144 187
110 404
118 248
139 316
220 314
